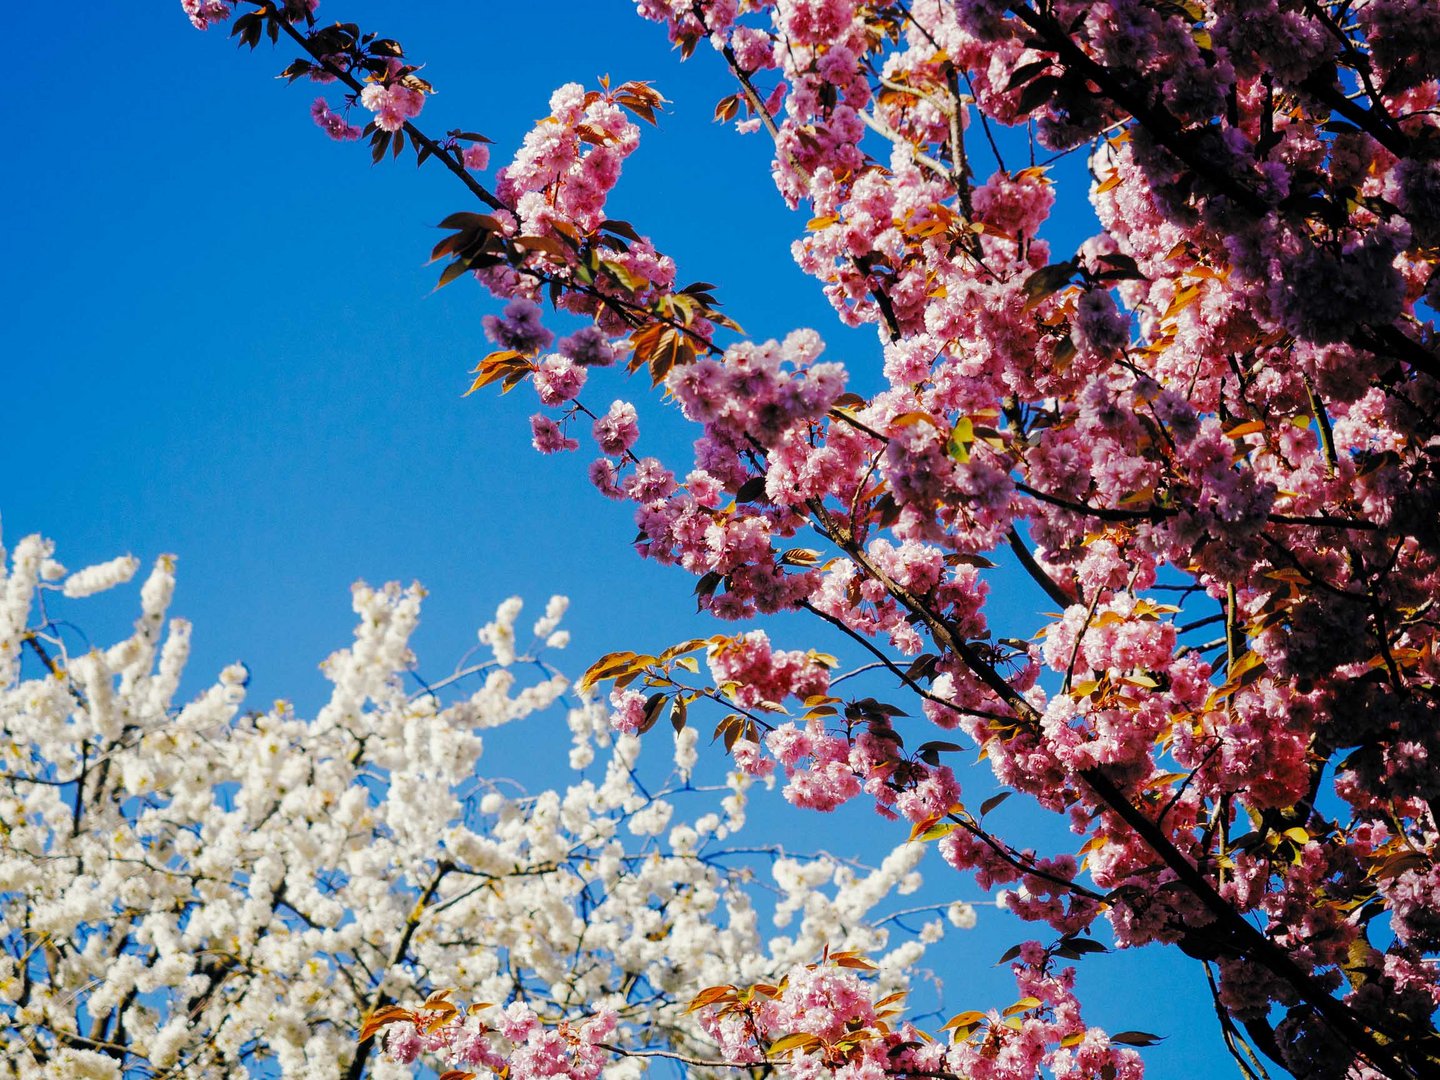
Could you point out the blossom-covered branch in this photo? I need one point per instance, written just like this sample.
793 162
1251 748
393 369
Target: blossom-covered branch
201 890
1232 386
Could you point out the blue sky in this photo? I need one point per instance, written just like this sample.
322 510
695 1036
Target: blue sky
222 342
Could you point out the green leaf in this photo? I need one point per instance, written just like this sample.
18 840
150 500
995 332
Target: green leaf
962 437
937 831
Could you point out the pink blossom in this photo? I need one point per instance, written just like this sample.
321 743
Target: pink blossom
753 48
518 328
605 475
1321 295
751 759
1098 325
629 710
518 1022
1017 205
558 379
617 430
204 14
704 488
650 480
403 1043
332 123
588 348
393 105
476 156
763 674
547 437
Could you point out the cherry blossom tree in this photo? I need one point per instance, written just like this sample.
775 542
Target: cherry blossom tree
204 890
1209 435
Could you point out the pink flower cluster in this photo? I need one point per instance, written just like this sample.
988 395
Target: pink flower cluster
558 379
849 1038
824 769
332 123
476 156
519 1045
1230 390
819 775
204 14
518 328
763 675
617 430
392 103
588 347
751 392
569 163
548 437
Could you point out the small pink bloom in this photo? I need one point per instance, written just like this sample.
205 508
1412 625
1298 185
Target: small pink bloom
403 1043
558 379
332 123
605 476
518 328
617 430
704 488
651 480
588 348
476 156
392 105
751 758
547 437
206 13
629 711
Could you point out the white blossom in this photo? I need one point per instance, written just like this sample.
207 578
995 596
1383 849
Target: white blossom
101 576
203 889
961 915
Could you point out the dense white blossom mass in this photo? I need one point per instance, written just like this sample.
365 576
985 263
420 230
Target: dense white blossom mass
201 889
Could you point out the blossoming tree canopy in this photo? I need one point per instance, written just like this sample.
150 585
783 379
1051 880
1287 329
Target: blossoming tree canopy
1209 434
202 890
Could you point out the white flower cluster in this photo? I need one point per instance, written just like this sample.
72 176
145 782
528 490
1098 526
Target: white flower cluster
202 891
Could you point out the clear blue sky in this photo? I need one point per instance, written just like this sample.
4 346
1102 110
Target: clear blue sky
221 341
